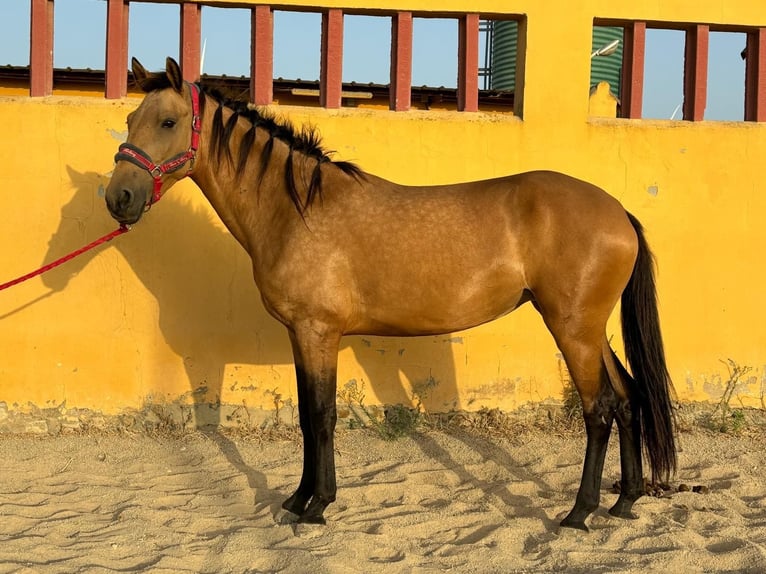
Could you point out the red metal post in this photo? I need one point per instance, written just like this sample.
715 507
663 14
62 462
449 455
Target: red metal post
331 64
468 63
755 76
116 49
191 22
633 69
41 48
695 72
262 56
400 94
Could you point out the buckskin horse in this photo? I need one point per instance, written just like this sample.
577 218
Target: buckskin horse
337 251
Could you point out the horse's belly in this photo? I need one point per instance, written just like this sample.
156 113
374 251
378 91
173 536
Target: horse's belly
431 307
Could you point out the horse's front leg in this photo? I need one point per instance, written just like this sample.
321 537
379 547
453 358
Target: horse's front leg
315 348
299 500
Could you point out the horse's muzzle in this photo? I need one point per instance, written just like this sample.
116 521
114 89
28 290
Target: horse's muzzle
126 205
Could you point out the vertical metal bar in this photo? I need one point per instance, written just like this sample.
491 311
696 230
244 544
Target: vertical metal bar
633 70
41 48
191 32
262 56
486 27
116 49
331 64
695 72
468 63
755 76
400 94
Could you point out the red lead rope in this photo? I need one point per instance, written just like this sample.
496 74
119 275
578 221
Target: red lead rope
140 158
108 237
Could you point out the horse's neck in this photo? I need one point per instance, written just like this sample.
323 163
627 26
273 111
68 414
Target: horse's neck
249 204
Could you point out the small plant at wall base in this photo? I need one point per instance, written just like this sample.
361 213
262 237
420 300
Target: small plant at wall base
395 421
724 418
241 414
281 418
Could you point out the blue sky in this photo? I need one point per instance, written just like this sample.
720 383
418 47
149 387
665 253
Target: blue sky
79 41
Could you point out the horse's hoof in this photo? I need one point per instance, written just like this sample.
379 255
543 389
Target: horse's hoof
622 513
311 519
314 513
623 508
576 524
292 505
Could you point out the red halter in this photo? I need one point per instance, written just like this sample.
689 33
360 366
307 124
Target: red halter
139 157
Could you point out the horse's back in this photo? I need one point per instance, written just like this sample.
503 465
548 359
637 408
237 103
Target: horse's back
556 192
549 216
450 257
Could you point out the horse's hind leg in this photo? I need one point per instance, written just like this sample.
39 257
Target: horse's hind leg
628 423
598 411
579 338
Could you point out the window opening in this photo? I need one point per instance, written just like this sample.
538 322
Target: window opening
297 45
14 33
663 96
434 52
726 76
72 48
225 37
502 49
606 57
160 23
366 49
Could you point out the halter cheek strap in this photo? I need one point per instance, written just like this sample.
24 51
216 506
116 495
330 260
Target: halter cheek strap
139 157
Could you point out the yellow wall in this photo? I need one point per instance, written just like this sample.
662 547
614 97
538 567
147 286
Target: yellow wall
169 312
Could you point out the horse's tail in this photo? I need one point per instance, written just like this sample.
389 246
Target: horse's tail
646 356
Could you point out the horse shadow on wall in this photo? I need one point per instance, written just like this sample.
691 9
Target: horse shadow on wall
210 314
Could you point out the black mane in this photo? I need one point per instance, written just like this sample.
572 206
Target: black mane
304 140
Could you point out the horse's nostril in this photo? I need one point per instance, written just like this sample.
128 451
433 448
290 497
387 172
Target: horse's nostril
126 198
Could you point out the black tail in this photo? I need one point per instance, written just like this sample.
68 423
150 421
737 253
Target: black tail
646 356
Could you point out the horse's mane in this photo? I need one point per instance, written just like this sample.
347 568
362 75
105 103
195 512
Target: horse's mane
304 140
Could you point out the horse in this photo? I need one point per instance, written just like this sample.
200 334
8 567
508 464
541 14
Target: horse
338 251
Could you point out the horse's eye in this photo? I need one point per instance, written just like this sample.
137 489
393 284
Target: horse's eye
168 123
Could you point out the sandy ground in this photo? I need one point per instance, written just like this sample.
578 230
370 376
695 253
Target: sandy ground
432 502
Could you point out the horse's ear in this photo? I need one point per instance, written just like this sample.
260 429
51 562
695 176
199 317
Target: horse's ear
173 70
139 73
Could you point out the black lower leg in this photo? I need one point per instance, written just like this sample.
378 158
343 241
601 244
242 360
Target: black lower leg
632 481
598 428
323 429
315 347
299 500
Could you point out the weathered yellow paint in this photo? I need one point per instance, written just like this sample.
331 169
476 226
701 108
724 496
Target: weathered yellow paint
602 103
169 311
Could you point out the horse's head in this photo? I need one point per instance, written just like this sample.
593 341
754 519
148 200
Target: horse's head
163 136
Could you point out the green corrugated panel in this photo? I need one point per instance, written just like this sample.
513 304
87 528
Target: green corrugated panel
504 40
504 44
607 68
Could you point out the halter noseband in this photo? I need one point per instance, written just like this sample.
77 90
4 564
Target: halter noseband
139 157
